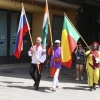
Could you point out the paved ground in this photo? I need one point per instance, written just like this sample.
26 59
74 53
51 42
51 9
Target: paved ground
16 84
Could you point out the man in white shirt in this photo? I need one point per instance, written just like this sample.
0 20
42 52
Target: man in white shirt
38 56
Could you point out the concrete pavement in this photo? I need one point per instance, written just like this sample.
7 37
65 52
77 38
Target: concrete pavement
16 84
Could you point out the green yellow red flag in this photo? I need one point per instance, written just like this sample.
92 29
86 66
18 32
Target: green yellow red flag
68 42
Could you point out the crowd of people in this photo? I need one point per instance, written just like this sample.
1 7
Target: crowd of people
89 59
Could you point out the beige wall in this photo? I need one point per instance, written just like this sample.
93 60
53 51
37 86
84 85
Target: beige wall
37 24
8 4
38 21
72 16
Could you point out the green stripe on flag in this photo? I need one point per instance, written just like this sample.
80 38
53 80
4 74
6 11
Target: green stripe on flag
45 33
70 29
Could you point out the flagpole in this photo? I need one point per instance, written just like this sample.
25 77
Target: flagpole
77 32
34 53
31 40
49 22
50 30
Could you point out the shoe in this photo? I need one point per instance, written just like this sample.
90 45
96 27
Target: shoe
91 88
46 66
53 90
94 86
57 86
36 88
99 85
77 79
82 78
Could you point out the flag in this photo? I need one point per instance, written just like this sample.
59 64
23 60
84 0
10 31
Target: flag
45 26
22 29
68 42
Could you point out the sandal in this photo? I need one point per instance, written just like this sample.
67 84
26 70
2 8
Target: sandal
52 89
57 86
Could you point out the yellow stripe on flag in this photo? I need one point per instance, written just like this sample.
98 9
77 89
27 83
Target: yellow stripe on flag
66 53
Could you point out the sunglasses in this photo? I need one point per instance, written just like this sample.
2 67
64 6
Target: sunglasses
79 46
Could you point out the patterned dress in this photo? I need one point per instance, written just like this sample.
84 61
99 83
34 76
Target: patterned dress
80 58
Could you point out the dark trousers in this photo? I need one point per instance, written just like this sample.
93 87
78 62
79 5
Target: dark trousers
36 78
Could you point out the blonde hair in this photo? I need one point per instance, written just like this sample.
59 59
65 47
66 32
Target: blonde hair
39 38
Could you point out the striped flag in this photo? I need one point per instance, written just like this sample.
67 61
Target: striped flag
68 42
22 29
45 26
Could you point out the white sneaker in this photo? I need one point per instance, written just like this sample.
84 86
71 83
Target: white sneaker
82 78
77 79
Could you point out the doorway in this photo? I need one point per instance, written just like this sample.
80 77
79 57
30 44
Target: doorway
57 27
3 36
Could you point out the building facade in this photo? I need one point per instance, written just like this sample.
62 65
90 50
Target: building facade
9 19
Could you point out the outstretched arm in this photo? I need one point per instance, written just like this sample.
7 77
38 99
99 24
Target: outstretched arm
76 50
87 54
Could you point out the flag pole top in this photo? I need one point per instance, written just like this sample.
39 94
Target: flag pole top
46 2
22 5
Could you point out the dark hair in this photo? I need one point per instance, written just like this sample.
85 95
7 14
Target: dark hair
79 42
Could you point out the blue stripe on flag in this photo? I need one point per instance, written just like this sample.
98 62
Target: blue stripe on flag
21 24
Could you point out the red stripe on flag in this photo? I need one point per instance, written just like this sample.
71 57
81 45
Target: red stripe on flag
67 64
72 43
72 46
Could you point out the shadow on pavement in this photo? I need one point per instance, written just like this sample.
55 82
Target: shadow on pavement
75 88
83 86
22 71
86 86
41 89
10 82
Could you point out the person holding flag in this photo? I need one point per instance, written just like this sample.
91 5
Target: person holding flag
93 64
46 23
55 63
38 55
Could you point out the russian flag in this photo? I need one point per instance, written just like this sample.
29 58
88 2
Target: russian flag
22 29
